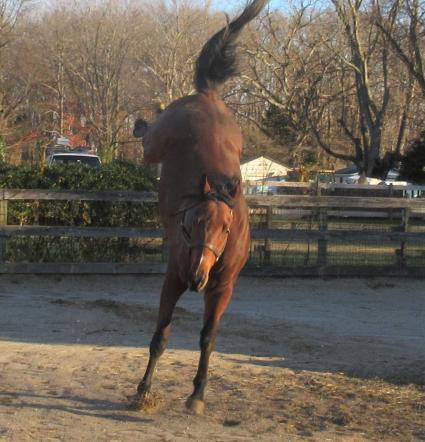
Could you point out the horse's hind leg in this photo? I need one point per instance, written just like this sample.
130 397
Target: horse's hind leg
215 304
171 292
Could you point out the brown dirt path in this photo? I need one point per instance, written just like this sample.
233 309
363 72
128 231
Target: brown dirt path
296 360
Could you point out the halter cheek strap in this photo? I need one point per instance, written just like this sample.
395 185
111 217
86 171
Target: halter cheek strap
194 245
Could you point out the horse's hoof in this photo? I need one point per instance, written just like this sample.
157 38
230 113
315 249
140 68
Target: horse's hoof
147 402
135 402
196 406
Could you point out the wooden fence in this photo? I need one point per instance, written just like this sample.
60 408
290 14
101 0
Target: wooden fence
268 230
334 189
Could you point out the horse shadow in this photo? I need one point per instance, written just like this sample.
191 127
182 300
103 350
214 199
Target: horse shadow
78 406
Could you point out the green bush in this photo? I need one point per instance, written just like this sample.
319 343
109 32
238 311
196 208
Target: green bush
114 176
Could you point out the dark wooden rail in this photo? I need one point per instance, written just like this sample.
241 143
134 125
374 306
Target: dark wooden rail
322 207
62 195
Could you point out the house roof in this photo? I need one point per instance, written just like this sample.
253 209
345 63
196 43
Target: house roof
251 159
261 168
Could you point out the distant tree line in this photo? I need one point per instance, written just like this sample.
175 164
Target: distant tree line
342 80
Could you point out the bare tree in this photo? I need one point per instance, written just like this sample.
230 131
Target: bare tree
403 25
17 83
290 69
272 66
10 12
312 78
54 42
95 67
328 75
366 49
407 38
166 56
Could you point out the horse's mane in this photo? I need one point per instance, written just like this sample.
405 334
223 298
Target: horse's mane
217 60
220 195
214 195
224 192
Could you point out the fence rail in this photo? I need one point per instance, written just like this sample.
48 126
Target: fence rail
68 195
313 186
335 202
286 201
321 241
333 185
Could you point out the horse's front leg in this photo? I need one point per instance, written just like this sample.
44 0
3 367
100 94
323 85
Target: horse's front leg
171 292
216 302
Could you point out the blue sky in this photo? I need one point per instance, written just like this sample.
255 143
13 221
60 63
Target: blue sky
282 5
229 5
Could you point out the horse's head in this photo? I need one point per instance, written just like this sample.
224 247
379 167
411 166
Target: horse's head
205 229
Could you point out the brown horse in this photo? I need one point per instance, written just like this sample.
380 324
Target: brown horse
201 203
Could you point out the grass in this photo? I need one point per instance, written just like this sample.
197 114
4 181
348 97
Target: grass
302 254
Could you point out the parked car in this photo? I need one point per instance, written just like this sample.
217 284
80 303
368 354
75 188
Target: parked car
91 160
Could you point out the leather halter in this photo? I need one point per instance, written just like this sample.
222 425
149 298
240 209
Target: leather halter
194 245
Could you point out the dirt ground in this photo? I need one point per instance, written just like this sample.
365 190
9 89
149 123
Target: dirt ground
296 359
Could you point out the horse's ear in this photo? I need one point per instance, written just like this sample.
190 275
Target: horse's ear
232 187
140 128
206 187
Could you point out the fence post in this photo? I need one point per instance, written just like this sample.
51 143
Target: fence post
322 244
268 243
315 189
391 194
401 253
318 188
3 222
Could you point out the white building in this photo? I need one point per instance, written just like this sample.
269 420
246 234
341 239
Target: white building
263 169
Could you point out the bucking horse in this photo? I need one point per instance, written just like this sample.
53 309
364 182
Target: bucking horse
201 203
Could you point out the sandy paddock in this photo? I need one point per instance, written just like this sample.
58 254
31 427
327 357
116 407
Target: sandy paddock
297 359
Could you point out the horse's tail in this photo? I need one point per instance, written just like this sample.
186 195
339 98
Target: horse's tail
217 60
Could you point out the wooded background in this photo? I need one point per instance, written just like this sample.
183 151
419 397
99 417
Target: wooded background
320 82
